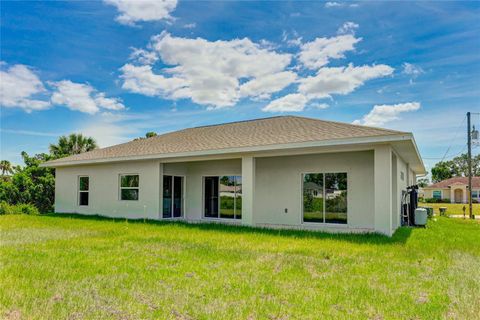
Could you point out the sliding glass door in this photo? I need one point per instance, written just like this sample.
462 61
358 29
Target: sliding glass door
173 196
223 197
211 197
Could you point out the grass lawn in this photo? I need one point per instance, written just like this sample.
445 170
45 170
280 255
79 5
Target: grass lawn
452 208
70 267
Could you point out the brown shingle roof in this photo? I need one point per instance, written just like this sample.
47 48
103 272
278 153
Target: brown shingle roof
251 133
456 180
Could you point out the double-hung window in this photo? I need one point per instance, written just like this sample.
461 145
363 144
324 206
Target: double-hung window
83 190
129 186
437 194
325 197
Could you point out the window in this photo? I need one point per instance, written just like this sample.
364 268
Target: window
437 194
223 197
129 187
475 194
325 197
83 190
172 196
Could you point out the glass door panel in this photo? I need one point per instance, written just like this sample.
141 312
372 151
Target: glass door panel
211 197
167 196
227 197
177 197
238 197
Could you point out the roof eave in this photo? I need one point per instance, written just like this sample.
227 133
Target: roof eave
308 144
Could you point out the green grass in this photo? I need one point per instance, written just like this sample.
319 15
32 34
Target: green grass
72 267
452 208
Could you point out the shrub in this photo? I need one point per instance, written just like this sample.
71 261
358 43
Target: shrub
22 208
434 200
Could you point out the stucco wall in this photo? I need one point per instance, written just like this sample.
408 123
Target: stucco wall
279 186
429 193
195 171
104 190
402 183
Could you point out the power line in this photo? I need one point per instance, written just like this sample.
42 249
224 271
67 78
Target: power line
455 136
450 156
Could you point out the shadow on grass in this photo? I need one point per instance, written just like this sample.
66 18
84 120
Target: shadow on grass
400 237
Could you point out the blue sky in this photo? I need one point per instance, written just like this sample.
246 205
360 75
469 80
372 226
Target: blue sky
116 69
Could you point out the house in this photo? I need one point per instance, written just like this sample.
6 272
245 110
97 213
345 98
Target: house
454 190
249 172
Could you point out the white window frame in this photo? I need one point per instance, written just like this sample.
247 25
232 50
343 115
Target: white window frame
120 188
203 197
441 194
84 191
327 224
478 194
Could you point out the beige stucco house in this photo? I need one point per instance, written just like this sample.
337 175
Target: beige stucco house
288 172
454 190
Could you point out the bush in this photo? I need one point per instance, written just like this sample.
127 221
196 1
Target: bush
434 200
22 208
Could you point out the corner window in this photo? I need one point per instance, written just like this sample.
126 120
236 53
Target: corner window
129 187
325 197
437 194
83 190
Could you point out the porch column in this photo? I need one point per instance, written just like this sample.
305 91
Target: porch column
160 196
383 189
248 189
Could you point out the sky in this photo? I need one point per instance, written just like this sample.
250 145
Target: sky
117 69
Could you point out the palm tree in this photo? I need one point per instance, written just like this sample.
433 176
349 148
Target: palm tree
6 167
73 144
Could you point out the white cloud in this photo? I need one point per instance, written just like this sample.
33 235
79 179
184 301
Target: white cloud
332 4
143 56
82 97
210 72
108 103
263 87
293 40
320 106
412 69
348 28
340 80
190 25
381 114
291 102
141 79
18 85
132 11
319 52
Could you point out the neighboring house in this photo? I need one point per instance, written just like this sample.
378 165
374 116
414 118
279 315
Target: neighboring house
455 190
263 163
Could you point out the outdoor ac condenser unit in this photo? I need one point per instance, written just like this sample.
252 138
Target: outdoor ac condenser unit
421 216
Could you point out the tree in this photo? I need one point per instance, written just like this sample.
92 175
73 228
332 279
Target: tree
6 167
147 135
36 185
73 144
422 183
457 167
31 184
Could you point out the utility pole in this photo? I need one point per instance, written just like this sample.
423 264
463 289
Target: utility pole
469 142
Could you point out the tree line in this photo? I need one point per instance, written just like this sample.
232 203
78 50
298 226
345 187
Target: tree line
32 184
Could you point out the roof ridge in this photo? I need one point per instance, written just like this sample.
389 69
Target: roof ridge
238 121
